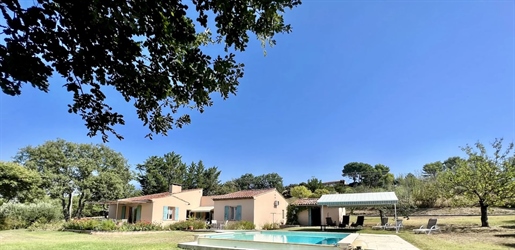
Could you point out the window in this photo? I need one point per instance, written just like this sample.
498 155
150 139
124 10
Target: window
171 213
283 213
232 213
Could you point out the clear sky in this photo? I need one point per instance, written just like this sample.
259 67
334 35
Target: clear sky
401 83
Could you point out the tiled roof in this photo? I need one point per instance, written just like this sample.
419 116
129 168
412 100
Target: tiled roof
155 196
305 202
244 194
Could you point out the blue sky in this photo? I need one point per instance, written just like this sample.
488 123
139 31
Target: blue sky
401 83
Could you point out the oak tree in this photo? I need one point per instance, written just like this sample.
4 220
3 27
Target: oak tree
150 52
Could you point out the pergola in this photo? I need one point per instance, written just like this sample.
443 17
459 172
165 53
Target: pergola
358 200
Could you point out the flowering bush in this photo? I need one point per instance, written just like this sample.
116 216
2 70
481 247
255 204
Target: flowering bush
141 226
241 225
110 225
185 224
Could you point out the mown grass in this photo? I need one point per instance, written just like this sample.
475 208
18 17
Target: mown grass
500 236
56 240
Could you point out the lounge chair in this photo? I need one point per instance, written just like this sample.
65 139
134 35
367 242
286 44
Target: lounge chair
398 225
431 227
213 225
345 221
329 221
359 221
382 225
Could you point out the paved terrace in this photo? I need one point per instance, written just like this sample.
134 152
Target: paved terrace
382 242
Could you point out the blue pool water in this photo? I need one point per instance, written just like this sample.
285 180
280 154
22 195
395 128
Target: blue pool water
284 237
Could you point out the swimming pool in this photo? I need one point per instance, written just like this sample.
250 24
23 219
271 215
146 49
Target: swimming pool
285 240
285 237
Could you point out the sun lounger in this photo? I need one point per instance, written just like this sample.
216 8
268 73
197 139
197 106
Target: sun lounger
359 221
329 222
397 226
345 221
431 227
382 225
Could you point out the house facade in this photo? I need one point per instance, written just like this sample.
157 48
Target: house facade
311 214
163 208
257 206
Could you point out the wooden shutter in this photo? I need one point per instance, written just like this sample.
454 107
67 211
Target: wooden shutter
138 213
238 212
165 213
176 217
123 212
226 213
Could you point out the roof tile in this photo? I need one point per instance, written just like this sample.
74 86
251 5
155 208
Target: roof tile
154 196
305 202
244 194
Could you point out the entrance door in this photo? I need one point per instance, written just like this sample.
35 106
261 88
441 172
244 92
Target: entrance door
130 215
315 216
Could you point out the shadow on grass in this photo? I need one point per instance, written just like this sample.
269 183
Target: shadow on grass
508 226
510 245
505 235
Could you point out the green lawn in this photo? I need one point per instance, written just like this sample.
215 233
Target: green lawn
500 236
23 239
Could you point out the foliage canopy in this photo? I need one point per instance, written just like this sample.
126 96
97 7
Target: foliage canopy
148 51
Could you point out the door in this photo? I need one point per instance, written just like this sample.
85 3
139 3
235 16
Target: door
315 216
130 215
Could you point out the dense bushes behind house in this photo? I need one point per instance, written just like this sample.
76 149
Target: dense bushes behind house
18 215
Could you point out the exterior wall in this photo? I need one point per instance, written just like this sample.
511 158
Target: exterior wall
247 209
266 212
112 211
180 201
303 218
146 212
207 201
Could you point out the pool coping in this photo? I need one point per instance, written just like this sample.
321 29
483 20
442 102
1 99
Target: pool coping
344 244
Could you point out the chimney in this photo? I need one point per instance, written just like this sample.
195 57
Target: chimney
175 189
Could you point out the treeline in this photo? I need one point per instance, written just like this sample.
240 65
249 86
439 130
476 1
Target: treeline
484 178
75 177
78 177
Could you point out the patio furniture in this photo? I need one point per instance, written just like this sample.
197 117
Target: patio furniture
345 221
329 221
359 221
431 227
213 225
398 225
382 225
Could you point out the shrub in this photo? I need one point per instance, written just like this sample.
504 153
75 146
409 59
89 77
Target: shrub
53 226
141 226
185 224
271 226
18 215
241 225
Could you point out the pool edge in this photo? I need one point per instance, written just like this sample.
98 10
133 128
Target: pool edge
221 244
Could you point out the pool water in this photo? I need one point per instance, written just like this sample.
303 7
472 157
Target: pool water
285 237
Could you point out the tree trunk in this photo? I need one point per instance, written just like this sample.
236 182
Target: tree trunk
63 205
80 206
69 206
381 213
484 214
